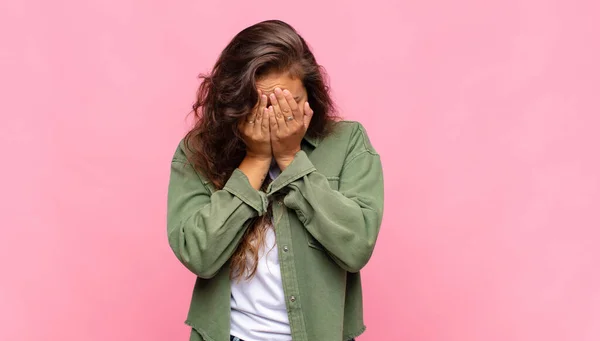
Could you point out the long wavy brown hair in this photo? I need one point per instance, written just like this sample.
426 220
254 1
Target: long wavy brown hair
228 93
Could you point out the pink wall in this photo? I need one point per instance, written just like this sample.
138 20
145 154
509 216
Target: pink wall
486 114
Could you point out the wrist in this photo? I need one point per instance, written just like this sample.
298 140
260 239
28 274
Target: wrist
258 162
256 169
259 158
284 161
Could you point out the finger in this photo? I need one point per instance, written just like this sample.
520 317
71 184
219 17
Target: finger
251 117
262 102
257 126
286 110
256 109
308 114
264 124
260 117
272 122
277 111
296 112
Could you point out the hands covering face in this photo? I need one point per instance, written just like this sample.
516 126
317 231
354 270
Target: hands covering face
288 122
276 130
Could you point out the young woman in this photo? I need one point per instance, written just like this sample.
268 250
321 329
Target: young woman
274 204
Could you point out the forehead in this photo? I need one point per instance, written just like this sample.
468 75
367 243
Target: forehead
269 82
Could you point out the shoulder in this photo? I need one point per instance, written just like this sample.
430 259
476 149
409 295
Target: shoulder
182 165
181 152
354 135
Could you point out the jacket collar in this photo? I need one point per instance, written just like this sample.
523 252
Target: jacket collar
313 141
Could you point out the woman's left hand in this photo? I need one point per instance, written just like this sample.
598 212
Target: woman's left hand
289 122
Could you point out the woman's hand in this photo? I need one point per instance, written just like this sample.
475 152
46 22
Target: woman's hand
255 131
289 123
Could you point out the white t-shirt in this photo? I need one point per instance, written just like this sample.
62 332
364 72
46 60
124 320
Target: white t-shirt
258 311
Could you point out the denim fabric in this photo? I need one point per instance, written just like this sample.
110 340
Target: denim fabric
332 191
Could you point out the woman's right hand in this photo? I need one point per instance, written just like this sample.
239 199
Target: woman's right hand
255 131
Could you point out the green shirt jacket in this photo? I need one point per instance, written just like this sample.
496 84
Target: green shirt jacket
327 212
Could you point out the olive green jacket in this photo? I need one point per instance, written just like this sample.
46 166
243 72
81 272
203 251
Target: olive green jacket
328 206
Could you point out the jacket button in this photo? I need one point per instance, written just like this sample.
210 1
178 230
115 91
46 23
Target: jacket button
285 248
293 298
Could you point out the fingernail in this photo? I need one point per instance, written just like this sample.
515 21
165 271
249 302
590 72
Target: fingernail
277 90
273 96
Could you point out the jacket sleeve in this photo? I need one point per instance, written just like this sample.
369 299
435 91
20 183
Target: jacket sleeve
205 228
345 221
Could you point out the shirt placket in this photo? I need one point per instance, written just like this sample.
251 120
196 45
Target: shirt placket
288 272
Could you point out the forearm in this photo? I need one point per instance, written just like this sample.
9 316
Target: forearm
346 220
205 226
204 241
346 226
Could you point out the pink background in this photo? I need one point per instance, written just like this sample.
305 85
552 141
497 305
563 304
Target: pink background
486 114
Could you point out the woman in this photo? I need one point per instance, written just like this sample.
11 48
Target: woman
274 204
